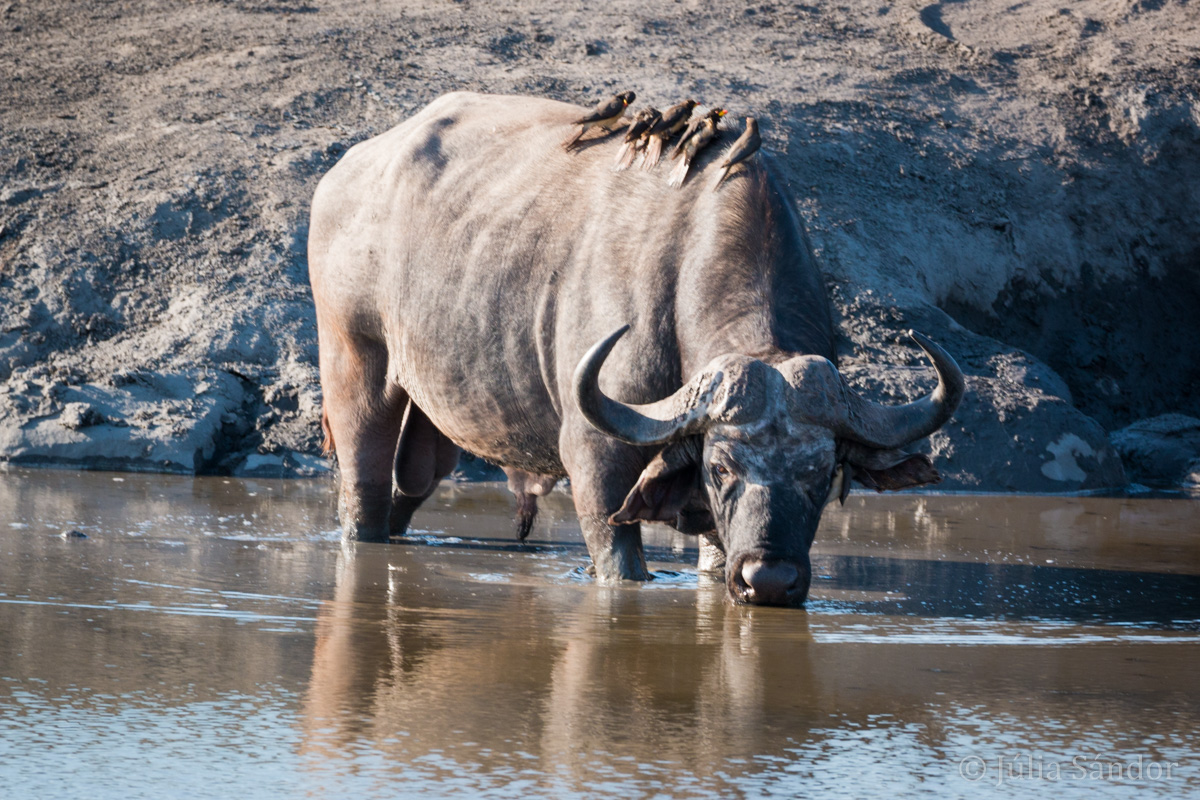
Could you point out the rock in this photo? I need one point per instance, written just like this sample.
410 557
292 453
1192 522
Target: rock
287 464
262 465
73 534
1162 450
309 465
1191 480
1003 437
1016 429
76 416
154 423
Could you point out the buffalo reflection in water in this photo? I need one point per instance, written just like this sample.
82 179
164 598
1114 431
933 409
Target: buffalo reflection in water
573 680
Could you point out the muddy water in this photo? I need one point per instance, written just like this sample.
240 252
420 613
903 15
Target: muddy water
213 638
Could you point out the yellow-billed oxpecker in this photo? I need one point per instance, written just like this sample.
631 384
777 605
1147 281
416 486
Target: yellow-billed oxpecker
672 122
705 132
693 128
635 137
605 116
746 145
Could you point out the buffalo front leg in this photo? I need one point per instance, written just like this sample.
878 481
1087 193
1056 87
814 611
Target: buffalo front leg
363 413
616 550
712 554
602 472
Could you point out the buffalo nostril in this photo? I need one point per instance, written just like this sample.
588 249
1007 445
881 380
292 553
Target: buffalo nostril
770 582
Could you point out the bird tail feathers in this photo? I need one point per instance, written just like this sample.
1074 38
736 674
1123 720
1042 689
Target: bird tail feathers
625 156
570 141
679 174
653 152
724 174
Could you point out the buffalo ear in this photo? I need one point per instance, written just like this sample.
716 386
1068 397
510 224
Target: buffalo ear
890 470
663 488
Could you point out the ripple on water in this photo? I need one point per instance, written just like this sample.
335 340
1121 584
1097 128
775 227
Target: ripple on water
233 647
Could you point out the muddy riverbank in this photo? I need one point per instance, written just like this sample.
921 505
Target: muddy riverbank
1017 181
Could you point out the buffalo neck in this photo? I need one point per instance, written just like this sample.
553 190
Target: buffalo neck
751 285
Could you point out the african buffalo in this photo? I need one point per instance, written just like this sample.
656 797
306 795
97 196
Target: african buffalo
468 276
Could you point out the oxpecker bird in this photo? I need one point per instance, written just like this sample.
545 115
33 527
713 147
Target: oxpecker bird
746 145
605 116
635 137
671 123
693 127
704 134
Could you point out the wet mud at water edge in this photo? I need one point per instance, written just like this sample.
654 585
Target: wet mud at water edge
213 638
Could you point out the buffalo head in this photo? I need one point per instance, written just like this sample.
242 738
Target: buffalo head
754 450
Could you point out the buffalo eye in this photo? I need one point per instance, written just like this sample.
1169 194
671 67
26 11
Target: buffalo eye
723 473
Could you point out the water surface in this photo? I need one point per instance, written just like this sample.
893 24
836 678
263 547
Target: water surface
213 638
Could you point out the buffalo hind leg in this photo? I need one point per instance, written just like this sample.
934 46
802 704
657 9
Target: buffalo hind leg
423 457
602 471
363 413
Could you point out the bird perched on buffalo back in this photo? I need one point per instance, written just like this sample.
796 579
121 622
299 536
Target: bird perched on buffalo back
605 116
672 122
693 126
704 134
746 145
635 137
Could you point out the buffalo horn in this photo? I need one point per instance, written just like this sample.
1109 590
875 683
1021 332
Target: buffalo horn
889 427
682 414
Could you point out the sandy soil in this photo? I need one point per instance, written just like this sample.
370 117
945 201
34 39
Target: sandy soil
1020 181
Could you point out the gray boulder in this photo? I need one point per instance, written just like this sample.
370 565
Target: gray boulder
1162 450
1016 429
137 420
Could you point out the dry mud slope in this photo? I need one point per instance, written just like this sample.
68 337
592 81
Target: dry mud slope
1019 180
